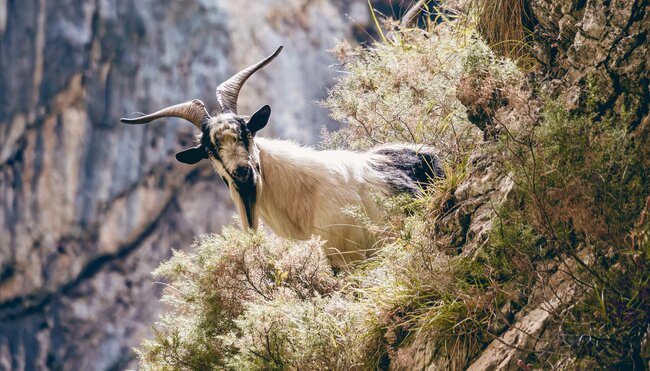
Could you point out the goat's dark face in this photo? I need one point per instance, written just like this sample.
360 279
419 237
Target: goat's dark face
227 140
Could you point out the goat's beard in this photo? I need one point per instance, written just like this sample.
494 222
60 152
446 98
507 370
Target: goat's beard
245 197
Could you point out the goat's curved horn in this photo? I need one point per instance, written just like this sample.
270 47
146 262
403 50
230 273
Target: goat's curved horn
193 112
228 91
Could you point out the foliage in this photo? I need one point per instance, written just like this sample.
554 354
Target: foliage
403 91
609 328
255 301
211 287
318 333
574 160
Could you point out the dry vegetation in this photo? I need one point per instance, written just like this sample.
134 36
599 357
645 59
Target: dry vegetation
505 25
254 301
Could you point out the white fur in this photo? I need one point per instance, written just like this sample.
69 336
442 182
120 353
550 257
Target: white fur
303 192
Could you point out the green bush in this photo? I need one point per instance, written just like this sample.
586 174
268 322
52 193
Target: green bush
319 333
212 286
404 91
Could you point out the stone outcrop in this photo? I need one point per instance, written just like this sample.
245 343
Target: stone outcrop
89 207
596 42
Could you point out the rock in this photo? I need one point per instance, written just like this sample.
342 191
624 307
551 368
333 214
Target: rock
601 39
554 295
594 22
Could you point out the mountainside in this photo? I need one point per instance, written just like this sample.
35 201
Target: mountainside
533 252
88 206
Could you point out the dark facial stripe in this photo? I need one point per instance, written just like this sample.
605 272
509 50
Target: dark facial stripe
245 135
207 143
243 182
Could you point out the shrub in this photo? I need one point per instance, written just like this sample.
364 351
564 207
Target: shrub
583 188
212 286
403 91
318 333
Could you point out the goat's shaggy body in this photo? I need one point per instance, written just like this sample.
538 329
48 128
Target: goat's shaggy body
331 181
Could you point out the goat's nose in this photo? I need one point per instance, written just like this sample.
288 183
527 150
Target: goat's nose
242 173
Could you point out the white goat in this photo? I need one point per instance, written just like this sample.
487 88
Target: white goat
297 191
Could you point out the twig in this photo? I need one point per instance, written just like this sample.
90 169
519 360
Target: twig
412 13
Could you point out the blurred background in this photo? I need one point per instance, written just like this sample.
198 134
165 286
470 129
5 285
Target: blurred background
88 206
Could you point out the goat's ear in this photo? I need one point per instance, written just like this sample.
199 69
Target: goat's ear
191 155
259 119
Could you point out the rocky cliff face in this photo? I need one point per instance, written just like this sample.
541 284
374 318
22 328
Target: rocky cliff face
596 42
588 51
89 207
583 47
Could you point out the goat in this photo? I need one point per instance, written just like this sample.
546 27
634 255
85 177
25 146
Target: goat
297 191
